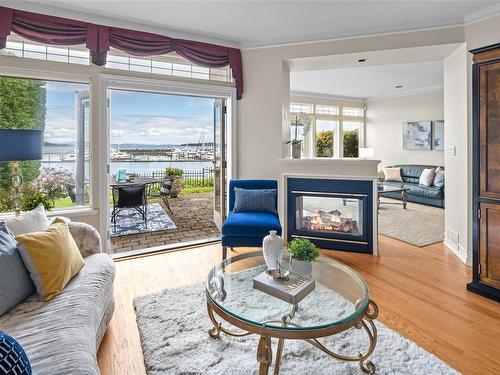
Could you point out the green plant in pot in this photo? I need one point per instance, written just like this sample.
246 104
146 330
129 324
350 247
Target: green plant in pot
303 252
176 175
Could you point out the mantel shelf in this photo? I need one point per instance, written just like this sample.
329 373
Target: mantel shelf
328 161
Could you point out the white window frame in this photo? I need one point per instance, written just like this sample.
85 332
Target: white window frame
70 78
110 82
310 139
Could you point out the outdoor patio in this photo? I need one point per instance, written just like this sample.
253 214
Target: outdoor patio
193 217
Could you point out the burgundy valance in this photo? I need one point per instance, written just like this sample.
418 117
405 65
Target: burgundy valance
98 39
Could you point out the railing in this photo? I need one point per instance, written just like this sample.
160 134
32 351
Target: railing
199 178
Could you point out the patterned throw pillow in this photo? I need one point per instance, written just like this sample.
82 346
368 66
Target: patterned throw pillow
255 200
13 358
439 178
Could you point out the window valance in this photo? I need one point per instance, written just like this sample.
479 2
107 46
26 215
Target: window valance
98 39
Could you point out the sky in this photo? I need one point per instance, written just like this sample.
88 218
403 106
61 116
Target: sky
139 118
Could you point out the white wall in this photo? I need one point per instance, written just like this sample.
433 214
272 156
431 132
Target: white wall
384 127
260 112
456 136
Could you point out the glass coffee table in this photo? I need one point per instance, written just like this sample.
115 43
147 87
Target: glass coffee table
340 301
382 190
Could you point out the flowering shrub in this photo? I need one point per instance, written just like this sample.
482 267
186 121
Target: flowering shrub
54 182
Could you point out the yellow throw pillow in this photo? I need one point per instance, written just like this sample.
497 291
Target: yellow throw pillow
51 257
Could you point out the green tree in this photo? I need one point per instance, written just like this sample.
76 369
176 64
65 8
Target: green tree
22 106
351 143
324 144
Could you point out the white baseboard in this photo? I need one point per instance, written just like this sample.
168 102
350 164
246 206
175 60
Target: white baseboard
457 249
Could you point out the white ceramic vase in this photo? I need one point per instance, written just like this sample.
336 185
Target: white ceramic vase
272 246
301 267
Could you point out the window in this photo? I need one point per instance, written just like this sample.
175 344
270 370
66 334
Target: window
17 46
61 109
351 131
327 110
325 138
352 111
298 107
170 64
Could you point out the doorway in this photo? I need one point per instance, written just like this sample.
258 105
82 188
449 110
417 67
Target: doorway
167 167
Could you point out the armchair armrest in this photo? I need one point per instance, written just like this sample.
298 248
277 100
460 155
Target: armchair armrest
86 237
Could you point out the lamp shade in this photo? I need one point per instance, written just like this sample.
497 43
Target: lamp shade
20 144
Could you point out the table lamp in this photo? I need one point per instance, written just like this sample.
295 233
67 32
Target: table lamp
17 145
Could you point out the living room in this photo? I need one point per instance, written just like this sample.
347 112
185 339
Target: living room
292 226
370 107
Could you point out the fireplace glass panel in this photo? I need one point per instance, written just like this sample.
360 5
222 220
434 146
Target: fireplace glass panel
327 214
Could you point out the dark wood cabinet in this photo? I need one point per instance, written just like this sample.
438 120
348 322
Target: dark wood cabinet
486 171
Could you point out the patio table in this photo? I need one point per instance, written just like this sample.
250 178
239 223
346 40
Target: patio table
137 181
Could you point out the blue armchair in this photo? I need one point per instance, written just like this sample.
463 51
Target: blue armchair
247 229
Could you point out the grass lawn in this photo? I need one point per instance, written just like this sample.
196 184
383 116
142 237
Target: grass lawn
64 203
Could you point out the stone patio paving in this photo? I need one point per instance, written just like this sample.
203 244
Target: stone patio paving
193 216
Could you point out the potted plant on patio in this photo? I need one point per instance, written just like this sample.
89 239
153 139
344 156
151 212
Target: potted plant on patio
303 252
176 175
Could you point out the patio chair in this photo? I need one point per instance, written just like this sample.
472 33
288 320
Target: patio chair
131 196
164 192
249 227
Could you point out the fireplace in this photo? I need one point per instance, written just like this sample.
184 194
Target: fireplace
333 213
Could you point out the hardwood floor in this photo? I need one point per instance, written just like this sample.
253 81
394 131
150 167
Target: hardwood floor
420 292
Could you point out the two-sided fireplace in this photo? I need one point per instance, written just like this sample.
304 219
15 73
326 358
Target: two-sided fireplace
333 213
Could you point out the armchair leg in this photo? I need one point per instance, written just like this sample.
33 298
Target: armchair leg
224 252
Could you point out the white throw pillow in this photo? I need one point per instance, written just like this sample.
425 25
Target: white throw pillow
427 176
31 221
392 174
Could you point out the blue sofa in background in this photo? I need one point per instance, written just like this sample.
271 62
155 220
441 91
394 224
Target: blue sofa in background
247 229
410 174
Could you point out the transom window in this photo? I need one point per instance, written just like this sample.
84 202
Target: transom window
327 109
352 111
170 64
298 108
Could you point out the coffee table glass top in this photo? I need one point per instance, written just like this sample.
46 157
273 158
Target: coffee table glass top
340 295
391 189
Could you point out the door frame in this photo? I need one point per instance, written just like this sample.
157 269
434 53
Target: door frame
111 81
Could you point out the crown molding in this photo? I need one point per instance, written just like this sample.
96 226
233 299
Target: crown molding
274 43
326 96
419 91
114 22
482 14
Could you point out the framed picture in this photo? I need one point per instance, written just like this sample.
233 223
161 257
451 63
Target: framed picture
438 135
417 135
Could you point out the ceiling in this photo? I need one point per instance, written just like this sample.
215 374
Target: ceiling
370 82
264 23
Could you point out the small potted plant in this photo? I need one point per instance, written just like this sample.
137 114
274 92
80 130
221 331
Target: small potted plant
302 119
303 252
176 175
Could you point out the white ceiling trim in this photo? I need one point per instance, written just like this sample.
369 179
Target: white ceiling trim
472 17
108 21
321 39
421 90
326 96
482 14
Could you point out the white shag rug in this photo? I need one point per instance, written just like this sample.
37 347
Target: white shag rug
174 326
